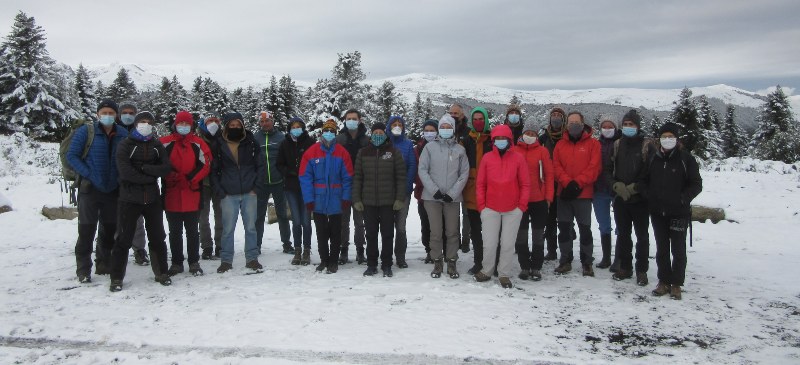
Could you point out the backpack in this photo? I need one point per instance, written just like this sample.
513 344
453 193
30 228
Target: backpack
67 171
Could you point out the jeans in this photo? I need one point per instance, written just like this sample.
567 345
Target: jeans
602 211
301 219
231 206
276 190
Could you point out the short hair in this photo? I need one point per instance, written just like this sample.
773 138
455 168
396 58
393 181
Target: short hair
457 105
576 112
351 111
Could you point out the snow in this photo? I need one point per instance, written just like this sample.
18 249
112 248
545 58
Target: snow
741 301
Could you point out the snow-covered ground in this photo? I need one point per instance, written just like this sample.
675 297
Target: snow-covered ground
741 301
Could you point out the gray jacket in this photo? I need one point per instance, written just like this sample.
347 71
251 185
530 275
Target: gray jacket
443 166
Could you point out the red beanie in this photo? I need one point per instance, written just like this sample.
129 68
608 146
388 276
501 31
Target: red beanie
184 116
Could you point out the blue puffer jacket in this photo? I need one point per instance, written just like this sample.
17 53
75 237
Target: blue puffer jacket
326 177
406 148
100 165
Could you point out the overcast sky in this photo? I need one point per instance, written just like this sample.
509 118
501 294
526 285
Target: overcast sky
532 45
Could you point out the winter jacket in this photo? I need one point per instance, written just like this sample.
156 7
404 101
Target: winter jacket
579 161
212 143
606 149
475 145
191 159
236 176
443 166
100 165
628 162
141 163
417 182
326 177
380 176
516 131
549 138
270 143
503 179
671 182
353 145
406 148
289 156
540 171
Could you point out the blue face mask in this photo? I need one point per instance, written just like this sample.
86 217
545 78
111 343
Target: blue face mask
127 119
513 119
629 131
183 129
501 143
107 120
328 136
351 124
446 133
296 132
378 139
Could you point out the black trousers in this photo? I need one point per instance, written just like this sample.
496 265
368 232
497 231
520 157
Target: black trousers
379 218
670 233
476 235
632 216
177 222
93 207
551 226
329 227
536 217
128 214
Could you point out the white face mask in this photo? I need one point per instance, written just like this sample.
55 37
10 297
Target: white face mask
608 132
397 131
668 143
145 129
212 128
529 139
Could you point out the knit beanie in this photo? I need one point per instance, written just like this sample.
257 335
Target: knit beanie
330 124
633 116
529 126
128 105
378 125
108 103
144 115
669 127
232 116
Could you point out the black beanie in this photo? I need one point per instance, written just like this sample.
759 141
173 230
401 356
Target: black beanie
378 125
231 116
144 115
633 116
669 127
108 103
431 122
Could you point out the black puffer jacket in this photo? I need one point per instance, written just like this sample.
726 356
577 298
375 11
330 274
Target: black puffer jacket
353 145
140 164
628 161
380 176
671 182
229 177
289 156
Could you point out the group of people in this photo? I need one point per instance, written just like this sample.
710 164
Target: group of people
480 188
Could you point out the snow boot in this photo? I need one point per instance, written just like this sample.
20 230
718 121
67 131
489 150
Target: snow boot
255 266
402 264
306 259
675 292
563 268
370 271
116 285
333 267
661 289
195 269
343 256
587 270
224 267
622 275
641 278
505 282
298 252
605 243
207 254
101 268
536 275
288 248
175 269
387 271
452 270
163 279
438 267
524 274
84 279
481 277
322 266
140 257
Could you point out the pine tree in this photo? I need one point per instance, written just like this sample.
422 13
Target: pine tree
515 100
684 114
708 119
196 95
215 97
387 102
86 97
732 135
122 88
290 98
323 104
777 135
253 104
100 91
428 109
346 82
172 98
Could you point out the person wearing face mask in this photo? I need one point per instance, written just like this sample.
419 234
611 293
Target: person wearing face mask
476 145
514 120
549 137
353 137
576 163
628 161
379 190
208 129
540 171
289 156
98 188
396 131
142 160
601 201
191 159
443 173
430 132
456 111
238 170
269 139
671 181
502 191
326 179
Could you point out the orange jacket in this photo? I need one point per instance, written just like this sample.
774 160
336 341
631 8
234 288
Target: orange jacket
579 161
540 170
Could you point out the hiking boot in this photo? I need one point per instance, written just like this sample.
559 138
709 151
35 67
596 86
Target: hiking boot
587 270
116 285
402 264
343 256
360 258
536 275
614 266
524 274
224 267
195 269
481 277
207 254
475 269
370 271
217 252
551 255
254 265
163 279
175 269
451 269
428 259
641 278
84 279
140 257
322 266
675 292
387 271
604 263
288 248
298 252
464 246
622 275
333 267
101 268
306 259
438 267
661 289
505 282
563 269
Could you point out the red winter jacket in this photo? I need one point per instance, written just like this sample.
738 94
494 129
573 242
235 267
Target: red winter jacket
579 161
540 170
191 163
503 181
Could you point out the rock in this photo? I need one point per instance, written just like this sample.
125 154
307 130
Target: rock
53 213
5 209
701 214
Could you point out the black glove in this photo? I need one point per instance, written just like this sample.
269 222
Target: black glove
438 195
571 191
447 198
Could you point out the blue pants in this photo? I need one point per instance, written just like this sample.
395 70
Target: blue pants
601 202
301 219
231 206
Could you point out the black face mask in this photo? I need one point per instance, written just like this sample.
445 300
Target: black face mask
556 123
235 133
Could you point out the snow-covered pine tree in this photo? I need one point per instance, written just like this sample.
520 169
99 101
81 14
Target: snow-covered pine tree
253 104
86 97
708 119
215 97
733 136
685 115
415 119
387 102
196 95
514 100
324 105
236 100
290 98
171 99
777 135
100 91
346 82
429 109
122 88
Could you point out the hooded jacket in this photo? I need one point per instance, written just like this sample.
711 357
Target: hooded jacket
100 165
579 161
326 177
443 166
671 182
627 162
270 142
503 182
406 148
548 137
540 171
476 145
141 161
380 175
290 155
237 174
190 158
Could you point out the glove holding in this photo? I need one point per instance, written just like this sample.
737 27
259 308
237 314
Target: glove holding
621 190
359 206
571 191
398 204
438 195
345 204
632 189
447 198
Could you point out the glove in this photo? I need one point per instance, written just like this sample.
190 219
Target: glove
183 184
438 195
621 190
345 204
310 207
447 198
632 189
398 204
571 191
359 206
